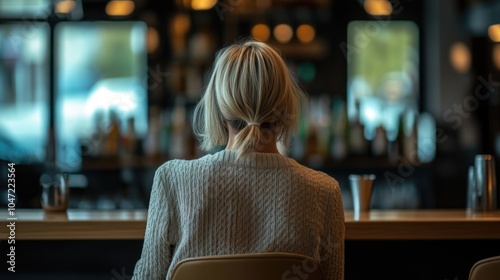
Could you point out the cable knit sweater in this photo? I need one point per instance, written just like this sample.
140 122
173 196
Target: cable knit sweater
218 205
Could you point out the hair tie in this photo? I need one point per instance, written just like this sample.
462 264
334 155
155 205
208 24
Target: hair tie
253 124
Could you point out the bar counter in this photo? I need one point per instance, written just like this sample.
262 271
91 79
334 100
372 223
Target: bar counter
35 224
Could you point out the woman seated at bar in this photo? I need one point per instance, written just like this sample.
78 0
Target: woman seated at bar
247 198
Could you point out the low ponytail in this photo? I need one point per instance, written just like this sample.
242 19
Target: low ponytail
247 140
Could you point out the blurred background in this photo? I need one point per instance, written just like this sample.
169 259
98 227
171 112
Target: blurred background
104 91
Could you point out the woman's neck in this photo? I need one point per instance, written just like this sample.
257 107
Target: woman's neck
263 147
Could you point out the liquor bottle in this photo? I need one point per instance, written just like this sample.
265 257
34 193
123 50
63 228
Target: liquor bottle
179 140
400 140
339 137
165 131
151 145
358 144
379 143
323 126
297 145
410 139
112 142
393 148
95 146
130 138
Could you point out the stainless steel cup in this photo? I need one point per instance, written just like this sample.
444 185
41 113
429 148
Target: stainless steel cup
473 198
55 192
361 188
485 180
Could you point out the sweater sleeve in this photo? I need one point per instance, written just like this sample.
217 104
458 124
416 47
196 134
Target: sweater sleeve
156 251
332 248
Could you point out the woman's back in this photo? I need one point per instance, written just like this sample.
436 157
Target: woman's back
261 203
248 198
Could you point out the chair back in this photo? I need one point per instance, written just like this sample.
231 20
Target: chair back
261 266
486 269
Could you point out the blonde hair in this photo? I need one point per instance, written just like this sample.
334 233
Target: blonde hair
252 89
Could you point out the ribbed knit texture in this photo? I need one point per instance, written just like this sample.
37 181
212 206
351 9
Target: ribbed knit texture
219 205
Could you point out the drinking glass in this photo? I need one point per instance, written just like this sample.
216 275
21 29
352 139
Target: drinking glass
361 187
55 192
485 180
473 198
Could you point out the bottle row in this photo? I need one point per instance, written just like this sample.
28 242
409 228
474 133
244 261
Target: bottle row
326 132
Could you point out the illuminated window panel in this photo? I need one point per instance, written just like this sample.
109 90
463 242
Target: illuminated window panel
24 93
101 73
383 73
31 9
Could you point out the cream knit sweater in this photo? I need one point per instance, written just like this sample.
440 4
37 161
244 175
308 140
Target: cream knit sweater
219 205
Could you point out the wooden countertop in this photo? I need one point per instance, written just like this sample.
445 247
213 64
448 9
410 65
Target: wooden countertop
35 224
422 224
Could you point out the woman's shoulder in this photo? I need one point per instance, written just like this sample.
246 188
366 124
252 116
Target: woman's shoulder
317 177
183 164
308 171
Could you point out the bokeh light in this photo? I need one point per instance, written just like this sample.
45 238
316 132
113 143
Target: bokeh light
203 4
283 33
153 39
494 32
65 6
496 56
120 8
261 32
180 24
306 71
378 7
460 57
306 33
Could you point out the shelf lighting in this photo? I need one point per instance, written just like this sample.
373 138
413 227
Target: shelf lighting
378 7
460 57
261 32
153 40
120 7
306 33
496 57
203 4
65 6
494 32
283 33
181 23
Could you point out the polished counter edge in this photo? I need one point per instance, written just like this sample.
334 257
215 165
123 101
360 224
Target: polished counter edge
76 224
